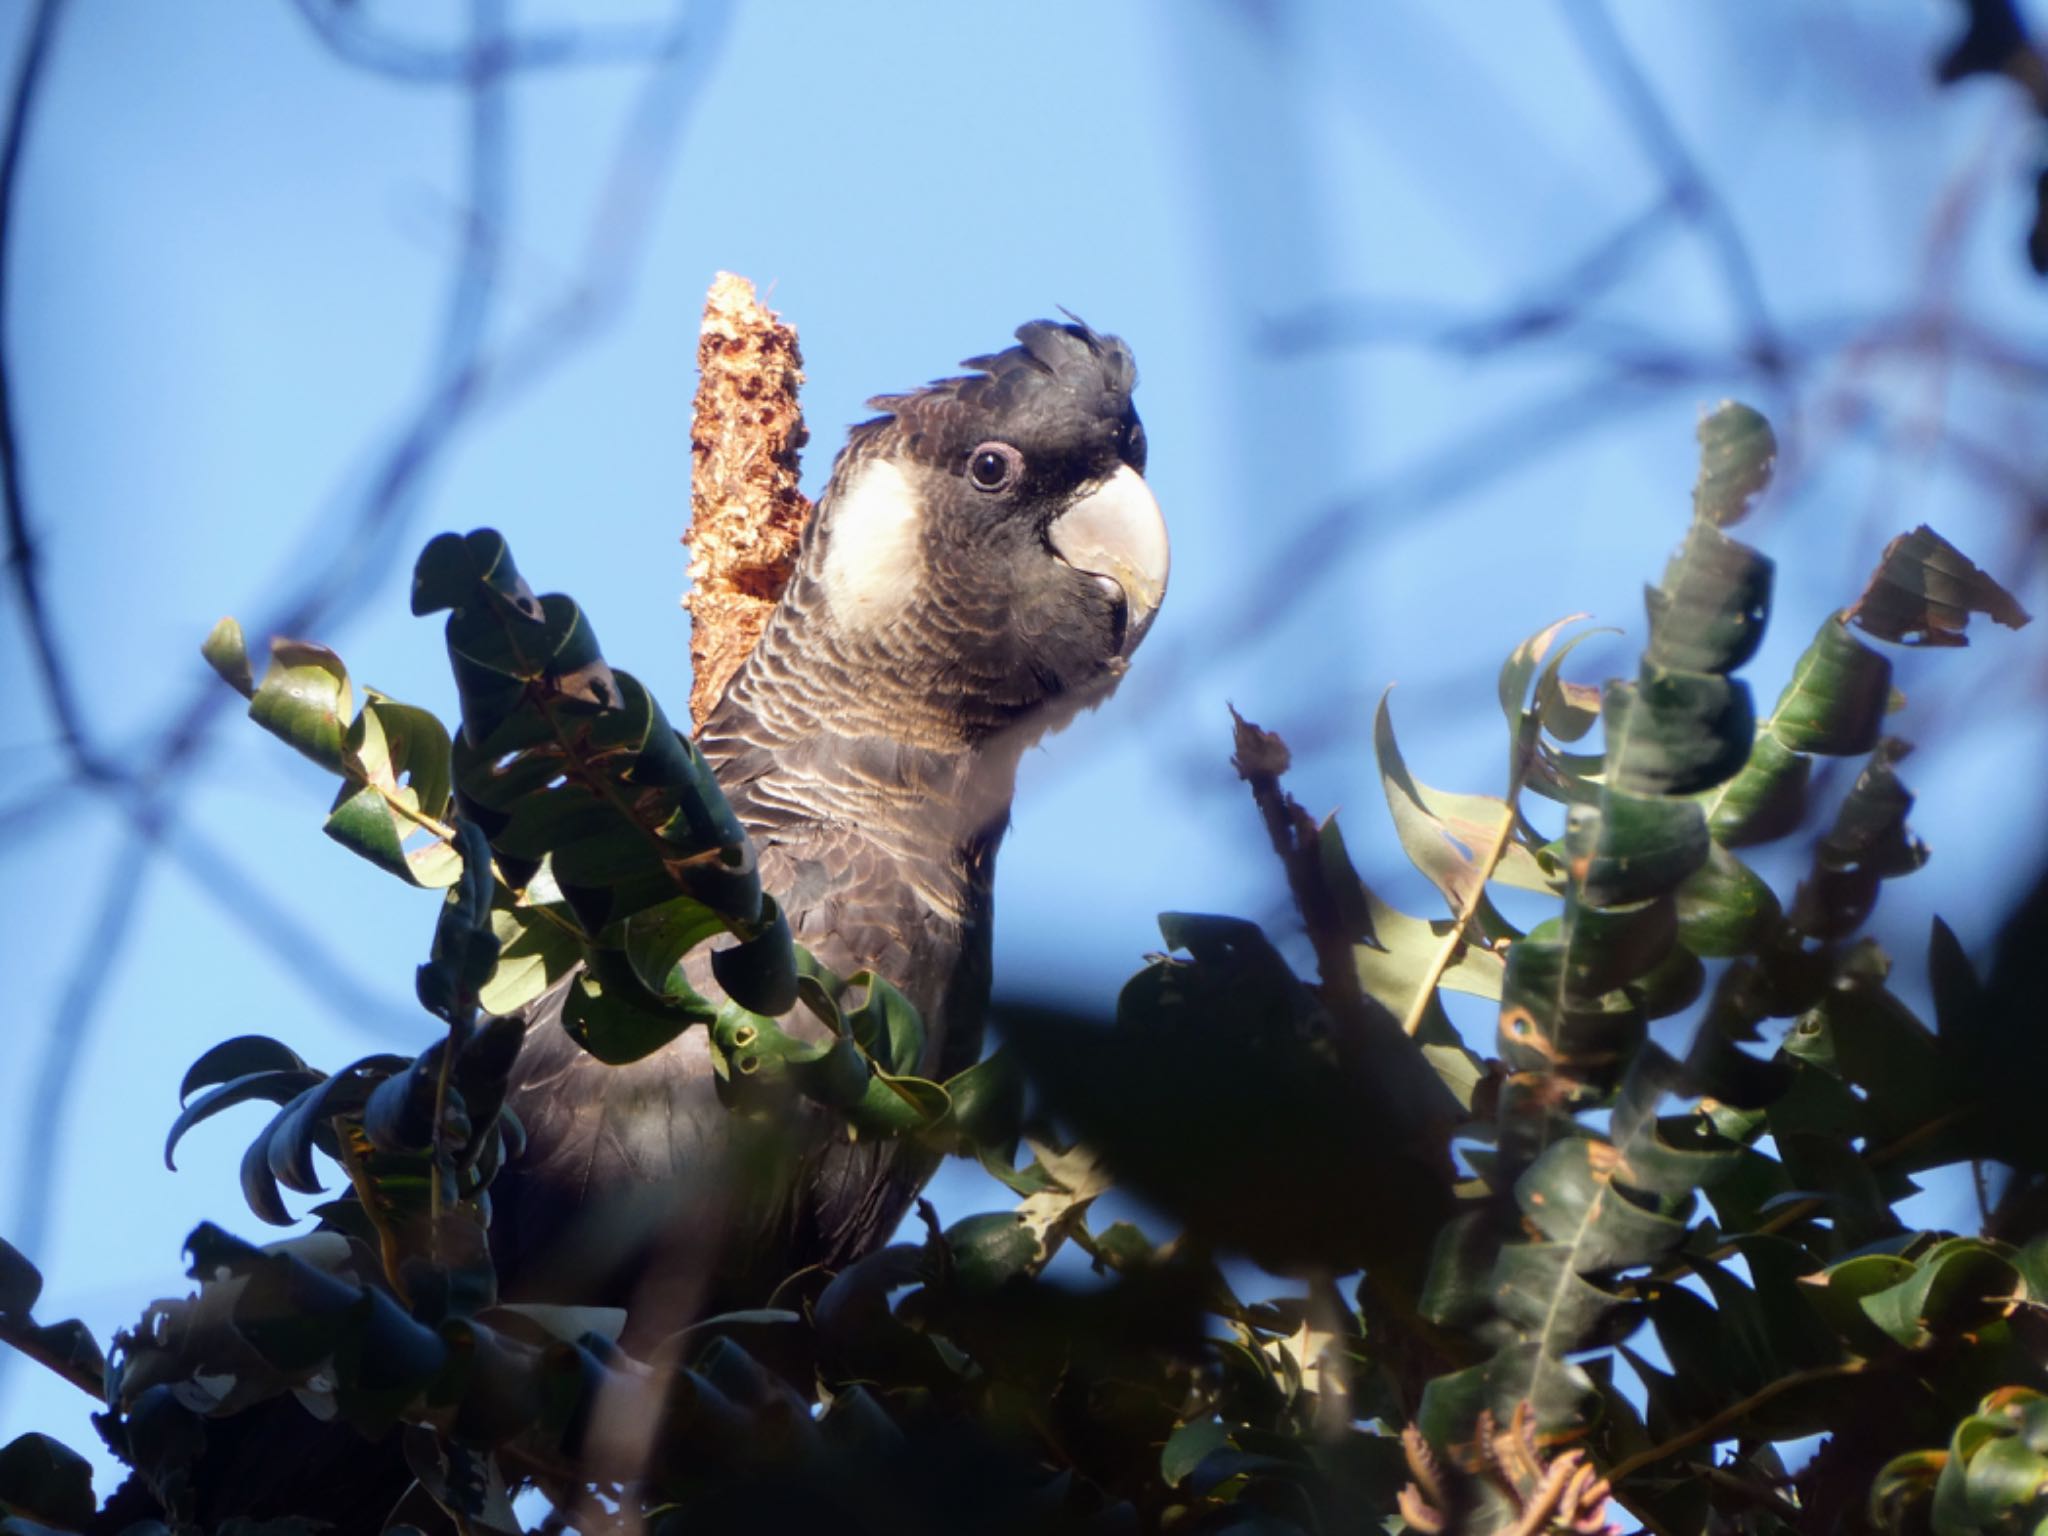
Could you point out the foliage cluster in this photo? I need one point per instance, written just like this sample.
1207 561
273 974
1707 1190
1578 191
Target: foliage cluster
1582 1266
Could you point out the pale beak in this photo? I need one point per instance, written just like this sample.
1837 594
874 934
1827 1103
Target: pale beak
1117 534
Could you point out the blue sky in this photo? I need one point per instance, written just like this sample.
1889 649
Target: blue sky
231 264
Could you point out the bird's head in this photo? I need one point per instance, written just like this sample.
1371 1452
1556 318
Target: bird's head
988 546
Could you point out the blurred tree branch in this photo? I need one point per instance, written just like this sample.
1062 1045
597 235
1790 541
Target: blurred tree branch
351 551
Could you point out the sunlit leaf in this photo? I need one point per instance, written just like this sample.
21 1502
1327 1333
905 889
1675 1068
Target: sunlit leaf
402 756
306 700
1449 836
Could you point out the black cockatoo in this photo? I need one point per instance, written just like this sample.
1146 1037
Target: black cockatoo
983 563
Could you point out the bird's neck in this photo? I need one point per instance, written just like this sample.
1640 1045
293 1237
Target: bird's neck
793 754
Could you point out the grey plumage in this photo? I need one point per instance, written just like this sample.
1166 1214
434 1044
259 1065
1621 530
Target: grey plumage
939 620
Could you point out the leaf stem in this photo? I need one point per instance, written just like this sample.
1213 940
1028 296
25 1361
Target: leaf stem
1482 872
1710 1429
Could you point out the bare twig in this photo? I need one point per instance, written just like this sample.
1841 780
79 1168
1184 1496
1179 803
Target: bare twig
356 548
353 38
1260 758
1695 194
51 667
1713 1427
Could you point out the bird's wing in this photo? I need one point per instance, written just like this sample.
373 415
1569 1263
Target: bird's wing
637 1169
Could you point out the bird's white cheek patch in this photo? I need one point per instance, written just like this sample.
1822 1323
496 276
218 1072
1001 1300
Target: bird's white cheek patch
873 560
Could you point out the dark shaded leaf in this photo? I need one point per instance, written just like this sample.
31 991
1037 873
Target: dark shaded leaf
273 1087
1724 908
615 1019
1675 733
46 1481
239 1057
20 1282
1710 612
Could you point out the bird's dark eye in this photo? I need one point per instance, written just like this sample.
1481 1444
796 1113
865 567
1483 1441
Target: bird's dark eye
994 466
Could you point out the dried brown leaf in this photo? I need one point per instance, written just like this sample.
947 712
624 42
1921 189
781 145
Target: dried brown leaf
1924 591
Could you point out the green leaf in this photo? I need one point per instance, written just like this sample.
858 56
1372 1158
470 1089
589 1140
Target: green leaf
272 1087
2005 1480
1737 453
402 757
759 973
1634 847
612 1016
886 1026
655 940
1545 1023
535 950
1521 665
1675 733
228 655
1958 1284
1725 909
1447 835
1764 801
1710 612
1451 1404
306 701
1408 945
1187 1446
988 1103
990 1249
897 1106
1835 701
235 1058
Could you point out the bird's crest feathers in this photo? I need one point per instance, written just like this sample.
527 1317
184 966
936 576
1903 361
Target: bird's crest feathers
1055 365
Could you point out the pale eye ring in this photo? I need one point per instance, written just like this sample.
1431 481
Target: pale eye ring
995 467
